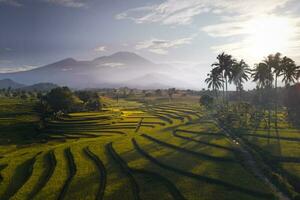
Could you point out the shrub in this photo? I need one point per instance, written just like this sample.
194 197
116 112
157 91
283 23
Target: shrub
291 101
206 100
62 99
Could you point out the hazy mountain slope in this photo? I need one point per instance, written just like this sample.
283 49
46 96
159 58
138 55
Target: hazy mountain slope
107 71
8 83
155 81
40 87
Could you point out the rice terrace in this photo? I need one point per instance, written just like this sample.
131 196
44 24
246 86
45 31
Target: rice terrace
150 100
154 149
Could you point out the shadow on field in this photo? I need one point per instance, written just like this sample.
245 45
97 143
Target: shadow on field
20 177
18 133
133 173
187 173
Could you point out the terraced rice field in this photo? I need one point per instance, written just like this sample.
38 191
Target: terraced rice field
281 148
130 151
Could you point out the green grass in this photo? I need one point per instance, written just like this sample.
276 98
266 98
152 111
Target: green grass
157 150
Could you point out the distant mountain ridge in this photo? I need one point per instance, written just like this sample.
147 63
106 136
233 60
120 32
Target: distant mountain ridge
8 83
40 87
117 70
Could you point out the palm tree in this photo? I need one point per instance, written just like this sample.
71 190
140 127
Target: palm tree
171 92
224 65
263 77
214 80
274 62
240 72
289 71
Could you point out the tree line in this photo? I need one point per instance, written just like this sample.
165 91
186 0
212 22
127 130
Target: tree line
266 74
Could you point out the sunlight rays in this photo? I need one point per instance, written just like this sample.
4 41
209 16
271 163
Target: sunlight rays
269 34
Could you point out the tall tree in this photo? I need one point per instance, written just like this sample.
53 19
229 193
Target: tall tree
298 74
61 99
262 75
171 92
289 71
240 73
214 80
224 65
274 61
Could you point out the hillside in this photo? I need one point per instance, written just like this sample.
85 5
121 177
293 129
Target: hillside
8 83
40 87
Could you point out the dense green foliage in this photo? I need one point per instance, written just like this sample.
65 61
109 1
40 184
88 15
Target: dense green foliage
207 101
292 102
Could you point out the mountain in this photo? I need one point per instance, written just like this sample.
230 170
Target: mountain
8 83
40 87
106 71
154 81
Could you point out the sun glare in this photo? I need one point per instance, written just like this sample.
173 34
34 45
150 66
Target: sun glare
268 35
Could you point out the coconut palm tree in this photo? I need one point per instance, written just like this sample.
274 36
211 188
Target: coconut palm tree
289 71
214 80
224 65
240 73
274 62
262 75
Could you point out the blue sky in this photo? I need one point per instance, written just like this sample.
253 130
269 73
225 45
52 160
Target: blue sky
187 34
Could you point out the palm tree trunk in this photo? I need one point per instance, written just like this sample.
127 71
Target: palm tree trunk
276 102
276 115
269 132
226 89
223 90
237 93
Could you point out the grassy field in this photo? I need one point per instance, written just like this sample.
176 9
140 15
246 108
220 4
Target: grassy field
280 147
133 150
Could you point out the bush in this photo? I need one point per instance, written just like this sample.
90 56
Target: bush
207 101
291 101
93 105
62 99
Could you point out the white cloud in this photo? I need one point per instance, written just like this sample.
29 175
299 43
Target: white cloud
66 69
113 65
11 2
68 3
100 49
226 29
249 29
5 61
5 49
17 69
256 37
162 46
180 12
159 51
64 3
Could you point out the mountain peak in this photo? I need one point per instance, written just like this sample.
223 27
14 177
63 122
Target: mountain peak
125 53
124 57
67 61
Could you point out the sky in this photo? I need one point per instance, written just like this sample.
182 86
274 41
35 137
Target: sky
187 34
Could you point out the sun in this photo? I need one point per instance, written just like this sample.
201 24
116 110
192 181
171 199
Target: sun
267 35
